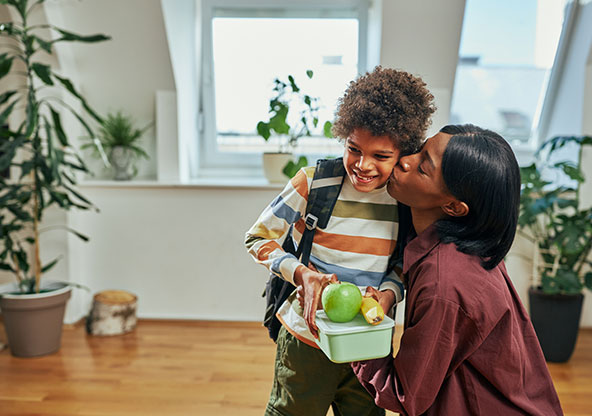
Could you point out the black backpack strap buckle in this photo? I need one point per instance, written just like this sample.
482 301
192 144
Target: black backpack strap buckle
311 221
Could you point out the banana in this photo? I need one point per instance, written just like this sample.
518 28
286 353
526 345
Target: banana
372 311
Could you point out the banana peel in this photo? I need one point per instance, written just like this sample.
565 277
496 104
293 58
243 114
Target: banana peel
372 311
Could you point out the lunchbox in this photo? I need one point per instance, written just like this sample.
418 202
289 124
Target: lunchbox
355 340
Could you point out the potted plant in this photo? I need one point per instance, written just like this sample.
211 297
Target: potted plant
43 163
552 218
119 139
292 115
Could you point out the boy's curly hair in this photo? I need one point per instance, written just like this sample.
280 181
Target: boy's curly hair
386 102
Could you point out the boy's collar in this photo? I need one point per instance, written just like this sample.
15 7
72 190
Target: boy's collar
420 247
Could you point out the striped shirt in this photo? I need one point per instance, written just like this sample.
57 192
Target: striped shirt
355 245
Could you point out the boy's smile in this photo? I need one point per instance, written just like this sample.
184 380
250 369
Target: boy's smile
369 160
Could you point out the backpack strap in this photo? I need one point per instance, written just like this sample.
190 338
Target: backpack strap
324 191
325 188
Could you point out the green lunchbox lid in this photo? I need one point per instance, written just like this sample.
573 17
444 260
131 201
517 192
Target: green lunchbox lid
356 325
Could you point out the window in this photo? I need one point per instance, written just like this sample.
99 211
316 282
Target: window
507 52
246 45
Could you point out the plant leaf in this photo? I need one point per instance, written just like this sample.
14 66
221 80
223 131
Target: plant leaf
293 84
43 72
588 280
292 168
327 129
73 37
263 130
5 64
70 87
48 266
6 113
4 97
43 44
57 126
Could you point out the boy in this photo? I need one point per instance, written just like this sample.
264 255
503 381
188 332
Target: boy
381 114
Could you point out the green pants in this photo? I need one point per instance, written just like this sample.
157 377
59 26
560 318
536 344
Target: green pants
306 383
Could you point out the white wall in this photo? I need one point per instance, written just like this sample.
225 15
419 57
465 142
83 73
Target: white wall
422 37
180 249
125 72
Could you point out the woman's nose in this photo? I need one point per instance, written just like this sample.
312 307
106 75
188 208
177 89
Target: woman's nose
405 164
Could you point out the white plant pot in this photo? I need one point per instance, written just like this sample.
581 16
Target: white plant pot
121 159
273 165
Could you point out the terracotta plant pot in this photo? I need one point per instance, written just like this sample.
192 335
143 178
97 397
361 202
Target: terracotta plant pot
33 323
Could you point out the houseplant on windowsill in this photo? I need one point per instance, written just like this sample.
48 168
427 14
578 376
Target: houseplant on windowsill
119 138
35 147
292 115
552 218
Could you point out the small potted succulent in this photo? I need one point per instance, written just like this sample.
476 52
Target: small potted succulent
119 139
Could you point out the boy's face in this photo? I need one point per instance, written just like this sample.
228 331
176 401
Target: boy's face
369 160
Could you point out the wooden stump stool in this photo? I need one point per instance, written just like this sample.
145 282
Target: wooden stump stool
113 312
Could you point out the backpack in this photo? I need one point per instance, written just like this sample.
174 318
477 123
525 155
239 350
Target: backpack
324 191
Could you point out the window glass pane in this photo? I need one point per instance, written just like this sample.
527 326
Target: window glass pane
249 53
506 53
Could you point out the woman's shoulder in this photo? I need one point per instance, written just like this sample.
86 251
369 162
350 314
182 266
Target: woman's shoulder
460 278
451 260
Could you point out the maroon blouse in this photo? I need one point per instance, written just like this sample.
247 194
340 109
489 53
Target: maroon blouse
468 347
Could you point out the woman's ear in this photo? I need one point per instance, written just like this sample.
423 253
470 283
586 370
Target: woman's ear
455 208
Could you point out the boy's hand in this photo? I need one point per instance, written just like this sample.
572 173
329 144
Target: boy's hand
310 286
386 298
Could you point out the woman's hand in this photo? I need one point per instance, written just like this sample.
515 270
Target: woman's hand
385 298
310 287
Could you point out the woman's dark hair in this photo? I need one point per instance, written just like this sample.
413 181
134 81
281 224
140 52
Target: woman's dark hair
386 102
480 169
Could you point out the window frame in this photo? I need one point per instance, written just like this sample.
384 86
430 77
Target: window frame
543 114
212 162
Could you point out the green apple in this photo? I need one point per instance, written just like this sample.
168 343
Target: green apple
341 301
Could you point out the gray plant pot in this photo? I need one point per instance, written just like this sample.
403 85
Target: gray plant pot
33 323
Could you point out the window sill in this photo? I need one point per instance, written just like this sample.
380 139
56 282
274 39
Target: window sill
223 183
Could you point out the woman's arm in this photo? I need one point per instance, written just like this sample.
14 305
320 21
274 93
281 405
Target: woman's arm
438 339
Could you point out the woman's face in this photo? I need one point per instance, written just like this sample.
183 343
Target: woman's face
417 179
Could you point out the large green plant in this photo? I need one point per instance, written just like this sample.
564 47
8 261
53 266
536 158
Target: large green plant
552 218
292 114
33 143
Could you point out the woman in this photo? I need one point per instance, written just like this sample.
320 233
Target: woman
468 347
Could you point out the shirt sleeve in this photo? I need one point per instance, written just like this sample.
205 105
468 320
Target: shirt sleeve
393 282
438 339
264 239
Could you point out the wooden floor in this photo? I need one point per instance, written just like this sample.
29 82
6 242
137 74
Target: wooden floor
186 368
